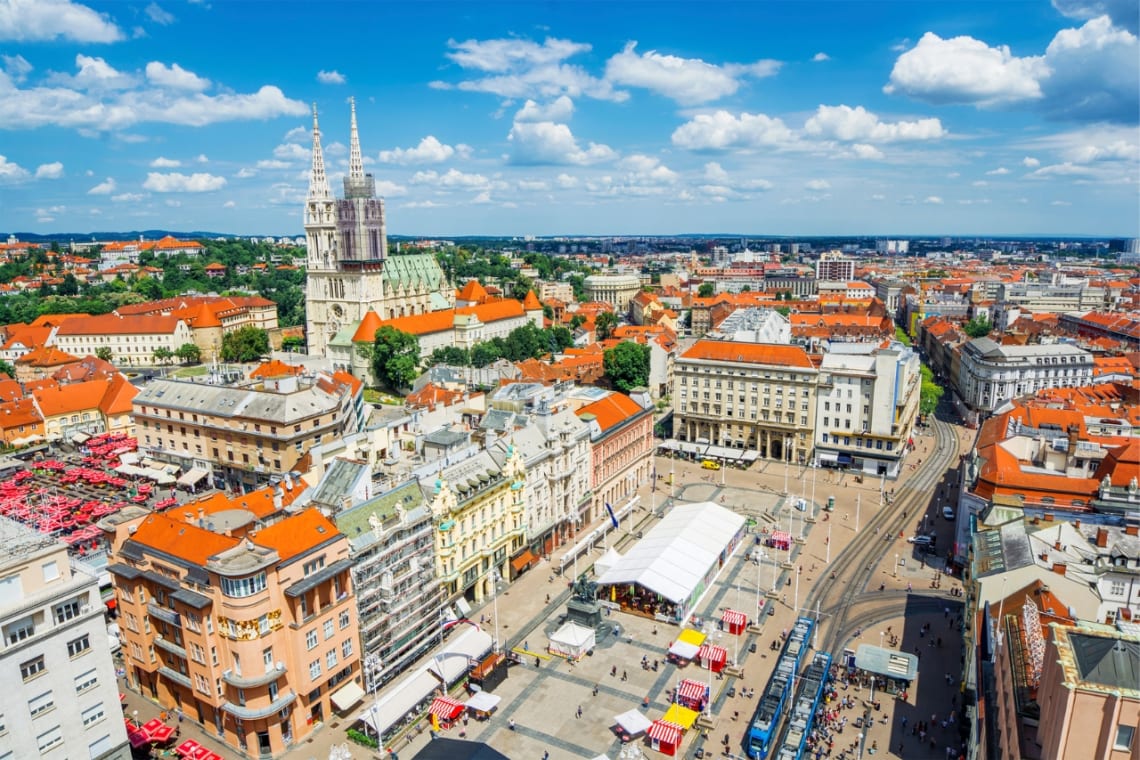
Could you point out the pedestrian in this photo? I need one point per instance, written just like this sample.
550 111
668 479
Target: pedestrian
579 711
526 645
179 714
545 756
624 677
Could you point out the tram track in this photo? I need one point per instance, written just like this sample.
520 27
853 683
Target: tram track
855 566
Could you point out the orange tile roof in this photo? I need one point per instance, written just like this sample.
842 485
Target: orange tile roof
751 353
275 368
612 410
10 390
51 320
297 534
19 412
439 321
348 379
472 291
181 539
260 502
366 332
118 397
531 302
70 399
30 336
1122 464
113 324
46 357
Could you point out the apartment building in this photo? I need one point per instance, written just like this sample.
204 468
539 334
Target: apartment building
752 396
833 266
210 317
478 516
253 638
398 600
242 435
992 374
615 289
622 447
866 406
61 698
132 339
91 407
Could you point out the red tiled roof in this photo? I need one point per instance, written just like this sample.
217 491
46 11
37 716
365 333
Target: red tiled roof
612 410
181 539
113 324
472 291
296 535
366 332
751 353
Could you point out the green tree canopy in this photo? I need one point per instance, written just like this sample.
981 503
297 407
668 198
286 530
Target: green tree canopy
105 353
6 368
189 352
246 344
930 393
453 355
604 325
395 357
978 327
627 365
706 290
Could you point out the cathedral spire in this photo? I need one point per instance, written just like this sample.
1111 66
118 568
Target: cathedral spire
355 162
318 183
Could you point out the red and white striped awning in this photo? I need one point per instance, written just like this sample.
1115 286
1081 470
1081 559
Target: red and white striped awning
446 708
734 618
664 731
781 537
712 653
691 691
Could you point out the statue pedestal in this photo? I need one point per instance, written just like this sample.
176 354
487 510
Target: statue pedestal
584 613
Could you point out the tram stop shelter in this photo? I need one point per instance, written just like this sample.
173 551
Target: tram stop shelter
665 575
896 671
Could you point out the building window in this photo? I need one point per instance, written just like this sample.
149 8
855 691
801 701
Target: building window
40 704
329 629
242 587
50 738
330 659
315 669
1117 588
346 649
313 566
32 668
345 618
1124 736
93 714
78 646
85 681
19 630
66 611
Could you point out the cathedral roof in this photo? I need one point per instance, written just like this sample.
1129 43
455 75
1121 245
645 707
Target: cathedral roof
366 332
415 270
531 302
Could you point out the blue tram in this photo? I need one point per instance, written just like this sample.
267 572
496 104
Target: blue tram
762 730
811 689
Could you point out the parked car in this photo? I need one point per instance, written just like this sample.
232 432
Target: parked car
921 540
948 513
709 464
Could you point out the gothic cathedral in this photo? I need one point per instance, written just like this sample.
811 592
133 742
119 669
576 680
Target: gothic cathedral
349 269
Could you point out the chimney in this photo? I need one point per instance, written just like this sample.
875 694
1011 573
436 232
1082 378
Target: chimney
1077 524
1132 530
1059 568
1102 537
1057 544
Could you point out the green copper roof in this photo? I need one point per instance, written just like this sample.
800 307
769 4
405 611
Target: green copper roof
355 520
414 270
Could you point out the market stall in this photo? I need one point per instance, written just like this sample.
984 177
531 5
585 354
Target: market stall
632 724
681 716
572 641
712 657
444 711
691 694
665 575
734 621
687 645
482 704
779 539
664 737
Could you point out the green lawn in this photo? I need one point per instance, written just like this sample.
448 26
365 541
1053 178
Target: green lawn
195 371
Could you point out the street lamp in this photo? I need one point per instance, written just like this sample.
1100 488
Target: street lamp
896 564
785 454
495 578
814 467
372 665
828 559
858 502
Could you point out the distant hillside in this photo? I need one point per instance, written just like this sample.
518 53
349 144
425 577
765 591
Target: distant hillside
64 237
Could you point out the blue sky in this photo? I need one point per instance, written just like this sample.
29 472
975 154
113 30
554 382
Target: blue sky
544 118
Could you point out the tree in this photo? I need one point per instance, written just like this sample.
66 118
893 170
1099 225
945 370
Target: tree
293 343
978 327
706 290
69 286
604 325
453 355
246 344
189 353
485 353
627 365
163 354
105 353
395 357
930 393
6 368
576 321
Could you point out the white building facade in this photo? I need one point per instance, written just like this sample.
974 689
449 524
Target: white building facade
992 374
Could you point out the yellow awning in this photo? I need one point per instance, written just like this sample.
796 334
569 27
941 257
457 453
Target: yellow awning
689 636
681 716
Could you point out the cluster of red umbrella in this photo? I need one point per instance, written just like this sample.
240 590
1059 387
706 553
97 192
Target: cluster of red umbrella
108 446
192 750
71 516
152 732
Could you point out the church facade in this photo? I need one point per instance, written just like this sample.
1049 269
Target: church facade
349 269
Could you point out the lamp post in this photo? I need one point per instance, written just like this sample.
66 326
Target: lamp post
797 599
495 578
896 564
828 559
858 502
372 665
785 455
736 637
758 556
814 467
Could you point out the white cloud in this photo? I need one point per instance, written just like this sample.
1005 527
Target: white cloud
175 182
54 170
878 197
965 70
724 131
817 184
1094 75
932 200
688 81
997 172
533 185
298 134
173 203
869 152
16 67
127 197
106 187
43 20
1066 169
387 189
201 158
292 152
560 109
980 183
1030 162
165 163
453 179
1122 12
516 68
1060 203
175 77
272 164
330 77
860 125
94 75
245 173
229 204
566 182
159 16
820 57
429 151
545 142
716 177
11 173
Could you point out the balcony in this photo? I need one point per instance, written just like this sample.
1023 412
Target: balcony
164 614
256 713
168 645
250 682
175 676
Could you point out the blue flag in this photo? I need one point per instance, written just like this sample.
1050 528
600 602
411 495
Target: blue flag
613 517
